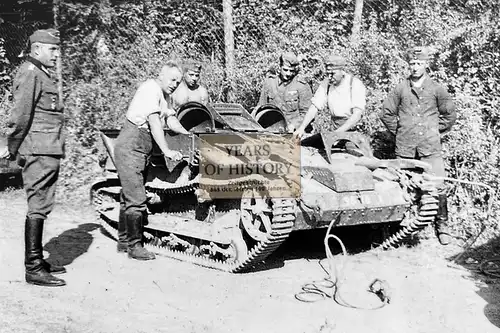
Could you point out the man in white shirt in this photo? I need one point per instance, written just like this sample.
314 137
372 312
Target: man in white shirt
342 94
150 109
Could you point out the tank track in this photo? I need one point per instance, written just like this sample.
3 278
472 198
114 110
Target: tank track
423 213
283 217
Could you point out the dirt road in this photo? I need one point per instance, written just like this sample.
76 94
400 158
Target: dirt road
107 292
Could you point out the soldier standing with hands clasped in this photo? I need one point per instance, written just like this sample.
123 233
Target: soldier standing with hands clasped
418 112
37 120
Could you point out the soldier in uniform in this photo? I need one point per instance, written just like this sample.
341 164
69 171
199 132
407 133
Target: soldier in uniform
287 90
189 89
342 94
149 111
418 111
37 120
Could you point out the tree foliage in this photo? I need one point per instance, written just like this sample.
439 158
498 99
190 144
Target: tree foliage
109 46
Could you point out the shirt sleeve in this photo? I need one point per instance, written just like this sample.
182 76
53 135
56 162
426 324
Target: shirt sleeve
390 110
358 95
320 99
150 99
26 92
446 108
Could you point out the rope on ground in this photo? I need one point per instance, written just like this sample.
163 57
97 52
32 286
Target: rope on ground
329 286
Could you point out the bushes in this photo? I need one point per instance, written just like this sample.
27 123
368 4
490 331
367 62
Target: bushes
108 49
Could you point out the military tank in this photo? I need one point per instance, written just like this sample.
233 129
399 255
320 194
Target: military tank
339 182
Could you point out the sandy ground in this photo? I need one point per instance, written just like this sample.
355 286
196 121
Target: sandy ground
107 292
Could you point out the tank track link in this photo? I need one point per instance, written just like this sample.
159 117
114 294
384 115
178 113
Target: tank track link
425 216
423 213
283 213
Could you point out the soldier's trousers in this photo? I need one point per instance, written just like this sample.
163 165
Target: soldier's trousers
437 167
132 151
40 174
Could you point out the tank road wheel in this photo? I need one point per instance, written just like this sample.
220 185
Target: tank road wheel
255 215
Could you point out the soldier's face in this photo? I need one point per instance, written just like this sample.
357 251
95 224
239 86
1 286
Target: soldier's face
47 54
335 74
287 72
417 68
170 79
191 78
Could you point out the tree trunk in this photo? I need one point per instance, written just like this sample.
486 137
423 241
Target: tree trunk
55 11
356 24
227 10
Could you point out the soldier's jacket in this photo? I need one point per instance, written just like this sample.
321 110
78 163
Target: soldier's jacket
417 116
37 115
293 97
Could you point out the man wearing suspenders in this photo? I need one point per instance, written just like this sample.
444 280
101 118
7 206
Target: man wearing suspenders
342 94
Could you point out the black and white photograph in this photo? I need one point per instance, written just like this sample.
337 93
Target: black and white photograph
253 166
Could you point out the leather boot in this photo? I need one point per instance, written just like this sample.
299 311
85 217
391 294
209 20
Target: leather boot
134 233
53 268
441 223
122 232
36 272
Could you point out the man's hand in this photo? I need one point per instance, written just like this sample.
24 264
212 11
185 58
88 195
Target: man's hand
4 153
173 155
297 135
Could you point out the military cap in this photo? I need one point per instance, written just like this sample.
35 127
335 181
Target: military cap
419 53
289 59
335 61
45 36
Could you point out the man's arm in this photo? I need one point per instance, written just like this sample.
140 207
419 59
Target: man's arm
446 108
157 132
305 96
389 115
318 102
26 92
174 124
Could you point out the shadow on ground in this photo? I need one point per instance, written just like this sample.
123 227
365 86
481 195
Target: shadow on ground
309 244
10 180
484 263
71 244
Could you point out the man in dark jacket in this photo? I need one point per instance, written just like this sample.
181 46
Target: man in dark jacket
287 90
37 120
418 112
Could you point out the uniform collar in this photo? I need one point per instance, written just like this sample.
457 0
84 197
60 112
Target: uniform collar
425 83
38 64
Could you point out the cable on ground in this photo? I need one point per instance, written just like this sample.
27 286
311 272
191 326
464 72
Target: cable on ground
329 286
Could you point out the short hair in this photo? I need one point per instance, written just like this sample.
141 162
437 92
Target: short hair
169 64
191 64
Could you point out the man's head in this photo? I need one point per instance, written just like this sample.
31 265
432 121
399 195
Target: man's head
45 46
192 71
334 67
170 77
289 66
418 59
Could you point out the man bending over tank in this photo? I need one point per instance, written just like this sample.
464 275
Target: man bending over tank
189 89
150 109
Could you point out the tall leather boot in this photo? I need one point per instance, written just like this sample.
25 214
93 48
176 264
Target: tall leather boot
36 272
441 222
122 245
134 233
